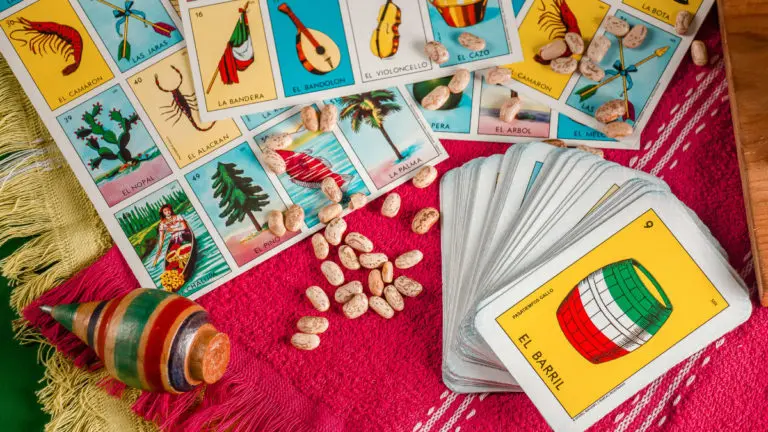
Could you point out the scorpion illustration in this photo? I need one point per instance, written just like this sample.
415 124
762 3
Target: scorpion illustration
181 104
556 19
44 37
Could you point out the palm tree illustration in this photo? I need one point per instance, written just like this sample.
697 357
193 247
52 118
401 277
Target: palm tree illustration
371 108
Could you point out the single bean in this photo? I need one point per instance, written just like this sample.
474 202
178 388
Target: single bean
394 298
294 217
555 49
318 298
407 286
575 43
329 116
331 189
372 260
616 26
359 242
276 223
305 342
332 272
425 176
320 246
436 98
617 129
391 205
424 219
375 282
310 119
471 42
459 81
381 307
356 307
683 22
312 325
436 52
335 230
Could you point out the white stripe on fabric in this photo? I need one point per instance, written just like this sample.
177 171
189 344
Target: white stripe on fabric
670 391
440 411
457 415
696 118
702 88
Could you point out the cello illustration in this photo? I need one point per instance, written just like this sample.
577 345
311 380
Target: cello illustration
317 52
386 38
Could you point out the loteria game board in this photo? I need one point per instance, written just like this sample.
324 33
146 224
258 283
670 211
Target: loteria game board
113 84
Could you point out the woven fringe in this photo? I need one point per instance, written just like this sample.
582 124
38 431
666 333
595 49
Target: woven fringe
75 401
41 200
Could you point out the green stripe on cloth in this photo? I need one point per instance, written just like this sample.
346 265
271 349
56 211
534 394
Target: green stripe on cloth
131 329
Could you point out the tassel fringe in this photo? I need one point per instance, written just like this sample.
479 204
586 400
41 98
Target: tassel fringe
42 202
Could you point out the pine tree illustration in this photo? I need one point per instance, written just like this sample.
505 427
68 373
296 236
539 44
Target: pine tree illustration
238 195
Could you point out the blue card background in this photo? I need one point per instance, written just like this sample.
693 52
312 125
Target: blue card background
645 79
491 29
321 15
144 42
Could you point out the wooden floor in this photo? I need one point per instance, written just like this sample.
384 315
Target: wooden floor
744 25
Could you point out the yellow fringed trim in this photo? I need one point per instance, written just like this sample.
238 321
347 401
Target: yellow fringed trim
41 198
76 403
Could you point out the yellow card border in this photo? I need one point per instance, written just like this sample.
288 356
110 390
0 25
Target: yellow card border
620 384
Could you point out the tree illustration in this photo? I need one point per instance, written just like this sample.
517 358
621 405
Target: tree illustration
238 196
95 130
371 108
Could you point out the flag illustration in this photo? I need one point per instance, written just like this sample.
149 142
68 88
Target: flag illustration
613 312
238 54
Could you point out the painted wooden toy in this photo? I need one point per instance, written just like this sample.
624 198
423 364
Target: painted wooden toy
150 339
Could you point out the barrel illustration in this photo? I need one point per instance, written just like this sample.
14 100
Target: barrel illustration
150 339
461 13
613 311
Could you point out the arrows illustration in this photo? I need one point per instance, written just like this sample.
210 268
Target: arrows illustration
587 92
123 16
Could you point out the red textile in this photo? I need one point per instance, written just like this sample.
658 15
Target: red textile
373 374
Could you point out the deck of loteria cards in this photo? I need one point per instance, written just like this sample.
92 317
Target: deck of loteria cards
575 280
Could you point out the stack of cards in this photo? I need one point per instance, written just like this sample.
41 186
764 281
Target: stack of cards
574 279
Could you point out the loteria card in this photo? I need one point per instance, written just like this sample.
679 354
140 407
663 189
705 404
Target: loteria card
165 92
312 157
611 312
186 199
251 56
474 115
639 76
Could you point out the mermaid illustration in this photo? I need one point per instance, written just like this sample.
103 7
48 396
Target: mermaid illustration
179 254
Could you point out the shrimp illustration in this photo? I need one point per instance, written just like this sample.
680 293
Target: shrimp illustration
44 37
181 104
557 19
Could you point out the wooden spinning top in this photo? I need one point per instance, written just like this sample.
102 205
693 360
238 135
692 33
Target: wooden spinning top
150 339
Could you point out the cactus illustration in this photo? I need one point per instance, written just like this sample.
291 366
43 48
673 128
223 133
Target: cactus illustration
95 130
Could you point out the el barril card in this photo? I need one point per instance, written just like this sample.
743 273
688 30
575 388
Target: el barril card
603 317
186 200
254 55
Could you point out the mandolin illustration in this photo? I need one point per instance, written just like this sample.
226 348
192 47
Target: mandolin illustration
317 52
386 38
